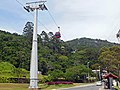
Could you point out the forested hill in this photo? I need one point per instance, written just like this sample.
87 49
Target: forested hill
15 49
88 42
56 58
53 54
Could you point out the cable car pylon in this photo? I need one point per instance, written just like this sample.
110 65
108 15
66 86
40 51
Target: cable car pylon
34 6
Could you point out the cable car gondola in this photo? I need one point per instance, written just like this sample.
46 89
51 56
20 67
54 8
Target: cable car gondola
57 34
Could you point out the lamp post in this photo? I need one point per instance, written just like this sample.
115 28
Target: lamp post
88 67
99 74
34 6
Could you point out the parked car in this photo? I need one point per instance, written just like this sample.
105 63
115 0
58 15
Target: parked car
99 83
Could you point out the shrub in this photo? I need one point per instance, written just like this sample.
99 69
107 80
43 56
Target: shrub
13 80
59 82
55 75
4 80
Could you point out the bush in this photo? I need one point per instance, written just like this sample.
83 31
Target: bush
4 80
59 82
13 80
43 78
19 80
55 75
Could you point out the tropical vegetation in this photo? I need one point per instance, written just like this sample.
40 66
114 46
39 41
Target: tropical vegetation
58 60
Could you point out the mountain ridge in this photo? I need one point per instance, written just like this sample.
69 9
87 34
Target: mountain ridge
96 43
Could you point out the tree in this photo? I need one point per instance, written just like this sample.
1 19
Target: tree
28 31
42 66
110 58
44 37
64 62
83 56
55 75
77 73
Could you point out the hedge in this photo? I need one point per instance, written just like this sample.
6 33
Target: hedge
59 82
13 80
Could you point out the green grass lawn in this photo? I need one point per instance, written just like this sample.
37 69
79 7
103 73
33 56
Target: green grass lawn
15 86
117 88
50 87
12 86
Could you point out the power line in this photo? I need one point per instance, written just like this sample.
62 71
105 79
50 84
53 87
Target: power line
55 22
20 3
41 23
52 18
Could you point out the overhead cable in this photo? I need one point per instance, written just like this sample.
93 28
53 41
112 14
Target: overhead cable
20 3
53 18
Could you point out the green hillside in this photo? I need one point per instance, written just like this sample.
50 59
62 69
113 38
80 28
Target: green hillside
57 59
88 42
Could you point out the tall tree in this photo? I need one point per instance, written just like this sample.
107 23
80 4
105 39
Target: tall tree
44 37
28 31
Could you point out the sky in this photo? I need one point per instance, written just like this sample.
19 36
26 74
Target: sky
96 19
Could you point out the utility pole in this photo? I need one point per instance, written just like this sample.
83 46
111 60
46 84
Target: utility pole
34 6
88 67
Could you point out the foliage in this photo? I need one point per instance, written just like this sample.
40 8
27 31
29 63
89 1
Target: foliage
8 71
57 58
77 73
43 78
110 58
59 82
55 75
88 42
14 49
28 31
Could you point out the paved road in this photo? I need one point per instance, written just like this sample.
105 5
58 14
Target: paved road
92 87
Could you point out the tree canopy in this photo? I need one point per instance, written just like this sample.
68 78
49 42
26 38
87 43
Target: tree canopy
110 58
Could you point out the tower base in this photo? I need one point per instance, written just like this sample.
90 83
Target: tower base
34 88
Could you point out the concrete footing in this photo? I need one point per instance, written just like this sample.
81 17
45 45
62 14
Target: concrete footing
34 89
